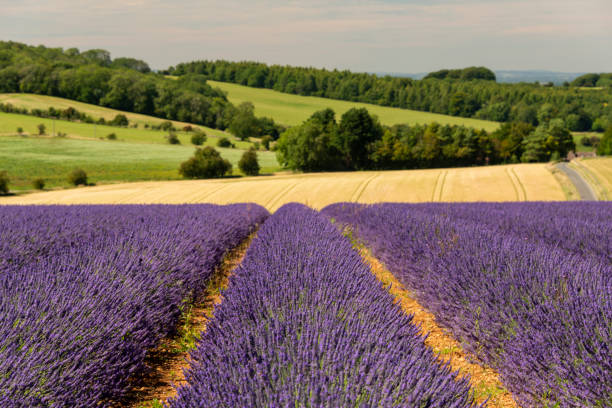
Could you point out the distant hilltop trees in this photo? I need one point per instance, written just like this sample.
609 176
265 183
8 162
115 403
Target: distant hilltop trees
593 80
466 74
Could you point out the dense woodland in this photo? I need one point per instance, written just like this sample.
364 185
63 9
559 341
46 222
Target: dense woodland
471 92
359 142
123 83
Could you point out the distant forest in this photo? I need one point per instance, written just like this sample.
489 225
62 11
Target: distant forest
470 92
123 83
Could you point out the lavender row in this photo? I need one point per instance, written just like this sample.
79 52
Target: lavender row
540 315
304 323
86 290
581 227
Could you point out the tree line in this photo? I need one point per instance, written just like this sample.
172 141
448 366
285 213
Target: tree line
471 92
359 142
124 83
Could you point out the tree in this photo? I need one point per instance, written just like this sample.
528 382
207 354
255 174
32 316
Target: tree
248 163
605 145
120 120
173 138
198 138
265 141
245 124
310 147
549 140
77 177
4 182
357 131
206 163
41 129
38 183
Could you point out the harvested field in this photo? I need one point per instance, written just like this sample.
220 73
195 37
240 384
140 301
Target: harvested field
493 183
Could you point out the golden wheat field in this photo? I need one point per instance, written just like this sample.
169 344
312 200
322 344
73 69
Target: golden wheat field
517 182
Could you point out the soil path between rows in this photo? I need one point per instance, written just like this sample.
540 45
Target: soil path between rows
484 380
167 362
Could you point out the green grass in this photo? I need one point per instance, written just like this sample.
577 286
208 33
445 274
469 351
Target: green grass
580 148
27 158
291 109
44 102
9 122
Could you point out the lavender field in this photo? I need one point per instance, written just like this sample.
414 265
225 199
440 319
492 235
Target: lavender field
85 291
525 287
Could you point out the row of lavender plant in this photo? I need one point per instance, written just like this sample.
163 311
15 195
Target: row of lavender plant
540 315
304 323
86 290
581 227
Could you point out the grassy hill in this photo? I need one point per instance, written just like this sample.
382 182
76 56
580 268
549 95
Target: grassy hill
291 109
31 101
517 182
137 154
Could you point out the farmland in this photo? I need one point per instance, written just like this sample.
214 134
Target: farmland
598 172
522 182
520 293
137 154
304 320
121 276
293 109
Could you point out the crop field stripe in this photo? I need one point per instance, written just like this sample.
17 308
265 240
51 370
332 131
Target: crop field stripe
275 200
516 185
165 367
484 380
520 183
441 185
361 188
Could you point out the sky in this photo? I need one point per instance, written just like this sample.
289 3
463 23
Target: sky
369 35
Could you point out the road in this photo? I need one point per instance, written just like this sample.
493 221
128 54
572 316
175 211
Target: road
584 190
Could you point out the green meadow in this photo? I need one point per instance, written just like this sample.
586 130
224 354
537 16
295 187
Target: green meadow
291 109
138 154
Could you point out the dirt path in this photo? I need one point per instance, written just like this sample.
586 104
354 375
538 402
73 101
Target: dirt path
165 363
484 380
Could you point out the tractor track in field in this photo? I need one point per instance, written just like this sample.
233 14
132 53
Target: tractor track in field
484 380
166 363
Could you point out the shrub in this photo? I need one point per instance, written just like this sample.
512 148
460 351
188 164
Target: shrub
224 142
4 181
586 141
265 142
166 125
198 138
120 120
38 183
42 129
173 139
187 128
206 163
248 163
19 130
61 134
111 136
77 177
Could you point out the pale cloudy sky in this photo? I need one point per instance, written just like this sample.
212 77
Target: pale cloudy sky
367 35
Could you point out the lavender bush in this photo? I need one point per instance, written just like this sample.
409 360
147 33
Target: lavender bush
86 290
305 324
530 298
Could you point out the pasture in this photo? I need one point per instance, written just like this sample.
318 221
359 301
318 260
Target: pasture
52 159
518 182
294 109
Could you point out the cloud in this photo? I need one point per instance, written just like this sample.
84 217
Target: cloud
403 35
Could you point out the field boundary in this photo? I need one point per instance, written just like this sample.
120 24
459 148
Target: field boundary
484 381
165 366
591 177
